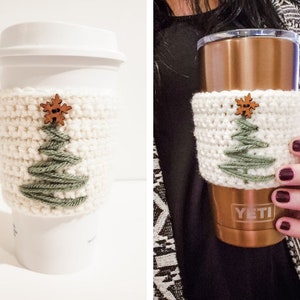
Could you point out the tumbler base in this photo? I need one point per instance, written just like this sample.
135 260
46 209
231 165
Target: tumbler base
248 238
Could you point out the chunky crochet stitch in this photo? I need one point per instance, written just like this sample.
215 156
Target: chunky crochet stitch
89 126
217 125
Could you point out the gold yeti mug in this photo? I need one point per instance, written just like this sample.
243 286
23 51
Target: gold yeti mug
247 60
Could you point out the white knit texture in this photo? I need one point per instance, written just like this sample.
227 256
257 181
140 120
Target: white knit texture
278 121
90 125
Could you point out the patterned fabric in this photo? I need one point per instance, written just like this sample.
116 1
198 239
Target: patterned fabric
294 248
167 281
289 14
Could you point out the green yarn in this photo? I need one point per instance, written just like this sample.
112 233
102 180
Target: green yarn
242 161
51 175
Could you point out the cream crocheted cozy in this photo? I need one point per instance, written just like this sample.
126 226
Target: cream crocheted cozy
89 125
277 119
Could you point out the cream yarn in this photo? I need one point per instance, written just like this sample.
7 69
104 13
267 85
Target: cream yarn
278 121
90 125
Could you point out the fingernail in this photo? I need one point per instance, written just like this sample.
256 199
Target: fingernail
296 146
283 196
285 225
286 174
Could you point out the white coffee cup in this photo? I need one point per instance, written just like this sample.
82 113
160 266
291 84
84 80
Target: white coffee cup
57 55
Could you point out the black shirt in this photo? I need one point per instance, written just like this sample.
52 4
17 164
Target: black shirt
210 269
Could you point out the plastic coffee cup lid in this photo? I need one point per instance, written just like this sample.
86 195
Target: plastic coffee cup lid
248 32
58 39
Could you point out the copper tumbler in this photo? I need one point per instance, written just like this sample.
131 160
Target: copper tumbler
247 59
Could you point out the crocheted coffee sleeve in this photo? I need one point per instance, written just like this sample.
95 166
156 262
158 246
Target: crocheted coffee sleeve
241 142
83 149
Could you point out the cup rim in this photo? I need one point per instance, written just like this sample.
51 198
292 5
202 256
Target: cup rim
248 32
52 38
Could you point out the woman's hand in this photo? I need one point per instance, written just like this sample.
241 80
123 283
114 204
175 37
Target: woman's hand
288 196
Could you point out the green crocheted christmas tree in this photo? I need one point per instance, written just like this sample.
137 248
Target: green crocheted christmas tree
50 174
241 160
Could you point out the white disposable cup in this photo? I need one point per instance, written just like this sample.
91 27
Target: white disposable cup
60 56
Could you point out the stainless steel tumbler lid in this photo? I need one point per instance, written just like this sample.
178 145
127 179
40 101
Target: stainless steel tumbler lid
248 32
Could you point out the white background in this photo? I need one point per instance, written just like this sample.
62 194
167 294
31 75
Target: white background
119 270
